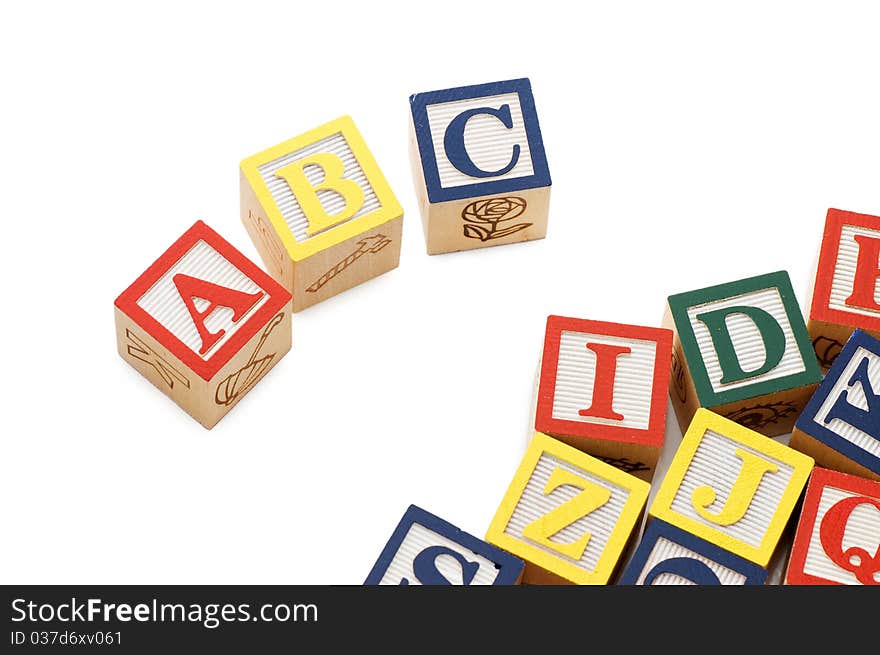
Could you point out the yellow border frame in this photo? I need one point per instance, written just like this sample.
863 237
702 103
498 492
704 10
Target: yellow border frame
389 208
617 540
704 420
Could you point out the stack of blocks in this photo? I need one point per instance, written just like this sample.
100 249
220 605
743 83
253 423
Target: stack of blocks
205 324
737 361
740 366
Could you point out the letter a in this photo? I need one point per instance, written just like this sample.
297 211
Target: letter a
867 272
603 384
239 302
307 194
744 488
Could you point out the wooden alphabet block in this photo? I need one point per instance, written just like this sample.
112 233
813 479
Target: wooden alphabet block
838 536
731 486
603 389
480 171
569 515
840 426
426 550
846 289
741 349
320 212
667 555
203 323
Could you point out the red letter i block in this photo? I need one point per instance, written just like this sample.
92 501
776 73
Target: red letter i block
838 535
846 291
603 390
204 324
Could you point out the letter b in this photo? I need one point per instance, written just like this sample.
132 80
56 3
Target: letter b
307 194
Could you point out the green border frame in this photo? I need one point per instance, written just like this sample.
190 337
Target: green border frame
707 397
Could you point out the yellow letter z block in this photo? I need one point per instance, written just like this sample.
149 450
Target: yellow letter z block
569 515
320 212
732 486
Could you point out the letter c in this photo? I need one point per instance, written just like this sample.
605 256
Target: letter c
456 152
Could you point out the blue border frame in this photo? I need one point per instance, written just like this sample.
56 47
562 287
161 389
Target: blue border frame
509 567
656 528
418 105
805 422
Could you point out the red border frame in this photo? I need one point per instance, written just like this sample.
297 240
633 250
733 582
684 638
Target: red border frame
819 479
206 369
544 421
819 309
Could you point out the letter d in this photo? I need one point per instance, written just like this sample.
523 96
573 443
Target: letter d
771 334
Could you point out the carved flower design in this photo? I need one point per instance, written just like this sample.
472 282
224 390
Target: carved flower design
491 212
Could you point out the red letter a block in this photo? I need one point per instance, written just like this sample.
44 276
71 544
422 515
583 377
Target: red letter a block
603 390
203 324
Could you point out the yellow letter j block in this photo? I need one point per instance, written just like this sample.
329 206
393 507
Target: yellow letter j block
732 486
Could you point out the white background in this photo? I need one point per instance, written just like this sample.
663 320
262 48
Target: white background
689 145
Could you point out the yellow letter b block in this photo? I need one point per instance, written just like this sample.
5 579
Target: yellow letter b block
567 514
732 486
320 212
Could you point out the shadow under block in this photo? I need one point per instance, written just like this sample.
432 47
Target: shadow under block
838 534
667 555
569 515
320 212
603 389
840 426
479 167
731 486
742 350
203 323
426 550
846 289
